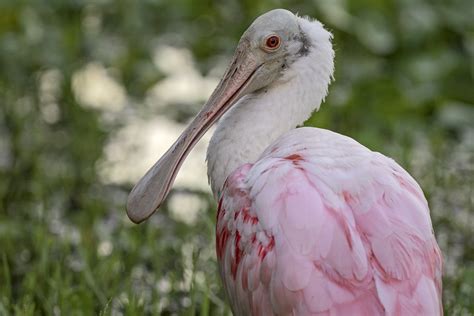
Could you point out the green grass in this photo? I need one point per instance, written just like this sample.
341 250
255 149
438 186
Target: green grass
90 261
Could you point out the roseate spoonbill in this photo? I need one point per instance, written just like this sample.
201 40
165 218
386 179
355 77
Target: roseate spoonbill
309 222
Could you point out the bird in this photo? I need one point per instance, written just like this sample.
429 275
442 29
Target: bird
309 221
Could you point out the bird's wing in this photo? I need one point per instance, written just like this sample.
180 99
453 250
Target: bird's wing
320 225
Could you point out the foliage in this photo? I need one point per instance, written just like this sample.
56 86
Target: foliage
404 87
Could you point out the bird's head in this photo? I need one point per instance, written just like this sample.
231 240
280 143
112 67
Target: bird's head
266 55
270 46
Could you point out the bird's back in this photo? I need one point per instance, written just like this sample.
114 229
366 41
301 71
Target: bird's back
321 225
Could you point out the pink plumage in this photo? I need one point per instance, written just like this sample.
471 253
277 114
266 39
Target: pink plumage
302 232
309 222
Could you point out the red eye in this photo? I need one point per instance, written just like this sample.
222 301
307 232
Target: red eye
272 42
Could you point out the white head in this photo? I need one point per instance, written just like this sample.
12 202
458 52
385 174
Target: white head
273 51
270 47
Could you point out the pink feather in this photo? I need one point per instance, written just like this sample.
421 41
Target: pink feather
300 234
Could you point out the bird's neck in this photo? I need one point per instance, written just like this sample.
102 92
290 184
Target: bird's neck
258 119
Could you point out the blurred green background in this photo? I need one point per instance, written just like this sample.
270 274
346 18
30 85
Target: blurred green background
91 92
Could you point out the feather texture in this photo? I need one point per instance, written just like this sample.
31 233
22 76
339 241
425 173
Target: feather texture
320 225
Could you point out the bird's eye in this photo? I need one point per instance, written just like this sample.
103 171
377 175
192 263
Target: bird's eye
272 43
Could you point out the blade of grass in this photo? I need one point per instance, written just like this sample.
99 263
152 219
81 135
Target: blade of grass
6 273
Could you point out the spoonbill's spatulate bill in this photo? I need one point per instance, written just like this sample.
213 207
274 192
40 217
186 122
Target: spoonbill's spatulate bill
309 222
